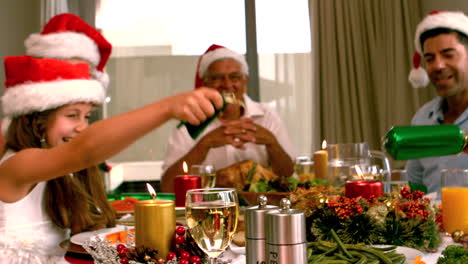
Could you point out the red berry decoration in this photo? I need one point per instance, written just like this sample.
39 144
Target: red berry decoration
122 252
180 230
185 255
120 246
184 261
171 255
195 260
124 260
180 240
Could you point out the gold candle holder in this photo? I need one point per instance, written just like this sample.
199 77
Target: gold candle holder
155 222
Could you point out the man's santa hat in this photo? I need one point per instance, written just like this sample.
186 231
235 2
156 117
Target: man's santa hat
436 19
215 53
36 85
67 36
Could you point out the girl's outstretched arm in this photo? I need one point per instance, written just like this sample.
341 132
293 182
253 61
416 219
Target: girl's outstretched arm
101 141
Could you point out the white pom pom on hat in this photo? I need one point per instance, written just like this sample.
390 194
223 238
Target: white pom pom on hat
457 21
418 76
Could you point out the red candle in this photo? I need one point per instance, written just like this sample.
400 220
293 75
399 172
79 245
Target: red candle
364 188
183 183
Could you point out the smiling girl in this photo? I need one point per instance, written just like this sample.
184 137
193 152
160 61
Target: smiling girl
50 186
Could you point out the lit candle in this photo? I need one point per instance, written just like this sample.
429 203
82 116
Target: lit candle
363 188
183 183
155 223
321 162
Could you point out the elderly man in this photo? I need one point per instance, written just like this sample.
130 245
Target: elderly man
254 132
442 39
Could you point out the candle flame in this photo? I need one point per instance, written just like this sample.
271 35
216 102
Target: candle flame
185 167
324 144
151 190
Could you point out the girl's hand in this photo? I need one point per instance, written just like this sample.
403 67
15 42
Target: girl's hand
196 106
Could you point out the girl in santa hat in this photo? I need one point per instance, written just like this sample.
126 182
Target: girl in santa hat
49 184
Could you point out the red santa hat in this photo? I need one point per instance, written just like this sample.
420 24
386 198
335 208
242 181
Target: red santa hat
215 53
436 19
35 85
67 36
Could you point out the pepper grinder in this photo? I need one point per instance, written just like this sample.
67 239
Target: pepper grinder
286 239
255 230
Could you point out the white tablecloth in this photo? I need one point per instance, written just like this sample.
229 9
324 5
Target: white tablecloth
431 258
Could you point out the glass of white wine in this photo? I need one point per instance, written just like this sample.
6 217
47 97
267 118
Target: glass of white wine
207 174
212 218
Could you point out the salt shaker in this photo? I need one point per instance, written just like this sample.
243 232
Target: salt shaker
285 235
255 231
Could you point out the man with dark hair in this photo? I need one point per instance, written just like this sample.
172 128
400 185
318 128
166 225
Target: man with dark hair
442 39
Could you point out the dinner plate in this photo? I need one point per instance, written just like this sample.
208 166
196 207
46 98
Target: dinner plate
410 253
81 238
236 249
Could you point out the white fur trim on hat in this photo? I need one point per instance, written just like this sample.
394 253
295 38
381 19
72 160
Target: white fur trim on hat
36 97
63 45
445 19
221 53
102 77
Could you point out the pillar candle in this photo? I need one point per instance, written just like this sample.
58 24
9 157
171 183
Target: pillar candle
183 183
363 188
321 164
155 225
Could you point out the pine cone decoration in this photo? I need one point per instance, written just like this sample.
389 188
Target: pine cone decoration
142 254
192 247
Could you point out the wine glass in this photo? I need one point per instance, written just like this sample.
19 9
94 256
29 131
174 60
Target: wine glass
212 218
207 174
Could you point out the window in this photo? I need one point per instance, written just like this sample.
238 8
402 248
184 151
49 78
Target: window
157 44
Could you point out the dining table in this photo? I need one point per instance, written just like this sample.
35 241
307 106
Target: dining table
236 255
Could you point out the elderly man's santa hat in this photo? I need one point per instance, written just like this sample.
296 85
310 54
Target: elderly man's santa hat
67 36
437 19
215 53
35 85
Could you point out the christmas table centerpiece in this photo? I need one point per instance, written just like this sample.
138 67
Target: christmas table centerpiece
401 219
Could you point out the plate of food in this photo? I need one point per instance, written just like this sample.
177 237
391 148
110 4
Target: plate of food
251 180
124 206
113 235
410 253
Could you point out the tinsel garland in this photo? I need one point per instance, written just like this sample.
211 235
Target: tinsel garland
104 253
401 219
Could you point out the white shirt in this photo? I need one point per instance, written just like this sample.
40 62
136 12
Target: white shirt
180 142
27 234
